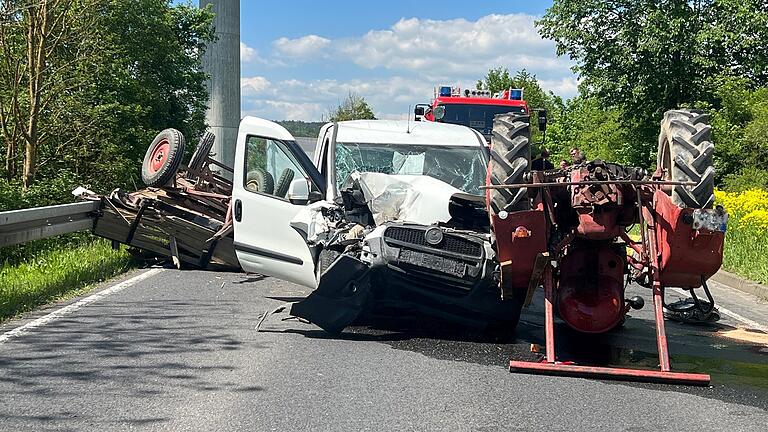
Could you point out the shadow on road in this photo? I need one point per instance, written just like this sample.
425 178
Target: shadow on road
140 346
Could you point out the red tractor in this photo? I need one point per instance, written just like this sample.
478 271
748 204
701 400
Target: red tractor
567 229
472 108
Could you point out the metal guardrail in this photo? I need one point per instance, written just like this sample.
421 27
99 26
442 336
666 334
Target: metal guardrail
21 226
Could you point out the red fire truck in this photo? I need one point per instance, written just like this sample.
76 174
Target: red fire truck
473 108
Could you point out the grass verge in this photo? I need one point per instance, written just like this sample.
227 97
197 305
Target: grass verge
746 251
53 273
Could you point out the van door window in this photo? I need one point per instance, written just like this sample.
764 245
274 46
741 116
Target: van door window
269 167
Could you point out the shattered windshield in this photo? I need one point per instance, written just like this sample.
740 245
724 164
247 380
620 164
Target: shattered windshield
478 117
460 167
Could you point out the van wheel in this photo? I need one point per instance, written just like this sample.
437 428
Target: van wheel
503 329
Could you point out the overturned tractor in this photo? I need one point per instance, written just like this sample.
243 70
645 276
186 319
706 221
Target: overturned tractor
568 230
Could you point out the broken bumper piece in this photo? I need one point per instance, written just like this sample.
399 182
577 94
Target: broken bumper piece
340 297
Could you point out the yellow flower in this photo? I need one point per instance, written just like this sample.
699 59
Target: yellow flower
740 204
757 219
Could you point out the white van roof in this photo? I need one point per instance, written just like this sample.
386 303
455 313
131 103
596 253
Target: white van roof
404 132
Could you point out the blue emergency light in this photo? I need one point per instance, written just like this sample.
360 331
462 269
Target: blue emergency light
445 91
516 94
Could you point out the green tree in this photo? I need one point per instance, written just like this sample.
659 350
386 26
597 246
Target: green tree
740 126
300 128
499 78
597 131
354 107
105 87
644 58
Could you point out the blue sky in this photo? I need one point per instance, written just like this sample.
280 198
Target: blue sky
300 58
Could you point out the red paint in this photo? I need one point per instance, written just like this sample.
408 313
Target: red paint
521 251
602 209
549 320
456 100
685 254
590 295
159 156
609 372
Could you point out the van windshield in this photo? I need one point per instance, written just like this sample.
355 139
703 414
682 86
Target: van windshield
460 167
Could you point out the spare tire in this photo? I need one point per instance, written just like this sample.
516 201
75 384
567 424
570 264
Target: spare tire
281 188
163 157
510 161
258 180
201 152
685 154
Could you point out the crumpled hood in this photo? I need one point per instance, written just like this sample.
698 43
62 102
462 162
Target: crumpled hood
407 198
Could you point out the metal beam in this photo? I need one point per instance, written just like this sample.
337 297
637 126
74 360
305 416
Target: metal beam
21 226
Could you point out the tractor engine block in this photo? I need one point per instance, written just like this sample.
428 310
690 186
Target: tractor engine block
603 210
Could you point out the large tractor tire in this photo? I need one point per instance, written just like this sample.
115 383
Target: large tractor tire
163 158
510 161
685 154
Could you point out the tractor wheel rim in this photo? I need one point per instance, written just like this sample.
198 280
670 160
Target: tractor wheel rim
159 156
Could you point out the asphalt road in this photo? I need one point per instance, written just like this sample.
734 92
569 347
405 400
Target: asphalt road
178 351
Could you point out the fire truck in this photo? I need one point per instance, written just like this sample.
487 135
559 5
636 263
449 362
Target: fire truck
471 107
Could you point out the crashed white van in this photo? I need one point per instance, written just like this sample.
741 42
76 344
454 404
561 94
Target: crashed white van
389 215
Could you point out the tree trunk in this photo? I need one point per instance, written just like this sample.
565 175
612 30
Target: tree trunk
36 41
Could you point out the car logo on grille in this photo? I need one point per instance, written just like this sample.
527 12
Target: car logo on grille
433 236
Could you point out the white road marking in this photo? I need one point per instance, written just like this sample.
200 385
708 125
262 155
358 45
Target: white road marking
43 320
752 324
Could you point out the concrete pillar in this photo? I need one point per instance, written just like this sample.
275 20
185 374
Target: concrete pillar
222 63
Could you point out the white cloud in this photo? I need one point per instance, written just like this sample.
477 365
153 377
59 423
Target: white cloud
458 48
303 47
565 87
253 85
417 54
311 100
247 53
454 46
282 110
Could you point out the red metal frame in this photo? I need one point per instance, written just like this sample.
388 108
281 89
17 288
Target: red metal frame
551 366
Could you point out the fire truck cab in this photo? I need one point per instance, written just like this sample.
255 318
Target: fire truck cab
472 108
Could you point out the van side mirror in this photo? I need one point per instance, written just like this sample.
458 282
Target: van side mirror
298 191
542 116
419 111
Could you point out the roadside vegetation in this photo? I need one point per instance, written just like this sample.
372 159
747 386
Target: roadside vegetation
745 246
51 271
84 87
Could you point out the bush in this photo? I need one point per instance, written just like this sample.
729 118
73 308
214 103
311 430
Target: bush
746 251
747 178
